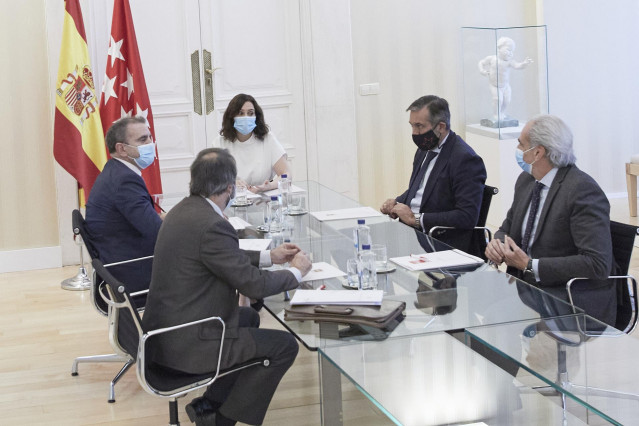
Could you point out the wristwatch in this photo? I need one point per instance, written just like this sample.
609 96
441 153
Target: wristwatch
529 267
418 224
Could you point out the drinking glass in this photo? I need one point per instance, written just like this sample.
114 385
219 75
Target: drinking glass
381 259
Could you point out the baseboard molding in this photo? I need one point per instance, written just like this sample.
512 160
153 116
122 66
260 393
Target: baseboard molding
30 259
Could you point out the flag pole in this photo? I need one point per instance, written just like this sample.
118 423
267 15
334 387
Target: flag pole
81 280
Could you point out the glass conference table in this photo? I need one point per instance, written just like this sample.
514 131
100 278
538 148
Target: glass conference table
588 364
479 296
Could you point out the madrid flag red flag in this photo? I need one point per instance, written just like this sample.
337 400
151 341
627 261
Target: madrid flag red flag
124 92
78 141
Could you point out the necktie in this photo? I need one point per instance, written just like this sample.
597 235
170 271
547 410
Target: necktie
534 206
420 176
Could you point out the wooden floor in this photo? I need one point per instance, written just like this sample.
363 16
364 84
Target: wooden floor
43 328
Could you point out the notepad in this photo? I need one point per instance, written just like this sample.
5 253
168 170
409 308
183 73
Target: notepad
322 271
293 189
238 223
352 213
338 297
254 244
436 260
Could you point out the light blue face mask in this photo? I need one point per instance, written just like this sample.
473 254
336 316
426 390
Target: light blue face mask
244 125
147 155
231 199
519 155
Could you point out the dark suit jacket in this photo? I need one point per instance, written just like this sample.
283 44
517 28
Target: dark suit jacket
123 223
198 270
572 239
454 190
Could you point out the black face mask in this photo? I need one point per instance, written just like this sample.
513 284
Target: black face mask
426 141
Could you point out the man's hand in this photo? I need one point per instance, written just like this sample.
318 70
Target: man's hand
495 251
284 253
404 213
388 206
513 255
302 262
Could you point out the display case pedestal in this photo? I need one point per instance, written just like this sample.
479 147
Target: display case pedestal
501 167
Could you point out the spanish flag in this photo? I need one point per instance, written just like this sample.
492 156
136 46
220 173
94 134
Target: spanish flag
78 141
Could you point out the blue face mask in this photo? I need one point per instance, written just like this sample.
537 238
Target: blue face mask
244 125
231 199
147 155
519 155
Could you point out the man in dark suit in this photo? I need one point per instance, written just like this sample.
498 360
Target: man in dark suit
120 216
558 226
198 271
447 181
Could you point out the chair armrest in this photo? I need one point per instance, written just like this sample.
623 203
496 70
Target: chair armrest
632 292
184 325
122 262
144 337
437 227
140 293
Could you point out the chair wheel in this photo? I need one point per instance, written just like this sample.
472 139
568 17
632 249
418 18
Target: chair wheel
530 331
74 374
111 401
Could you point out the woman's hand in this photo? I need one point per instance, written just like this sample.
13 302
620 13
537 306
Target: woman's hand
266 186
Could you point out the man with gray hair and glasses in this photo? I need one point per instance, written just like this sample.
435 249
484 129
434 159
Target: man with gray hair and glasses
558 226
198 272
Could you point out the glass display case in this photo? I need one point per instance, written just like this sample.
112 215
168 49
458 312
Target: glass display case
505 78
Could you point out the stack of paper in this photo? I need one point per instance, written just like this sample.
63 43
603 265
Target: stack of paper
436 260
254 244
238 223
353 213
322 271
294 189
338 297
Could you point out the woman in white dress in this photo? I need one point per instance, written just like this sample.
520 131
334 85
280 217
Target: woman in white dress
260 157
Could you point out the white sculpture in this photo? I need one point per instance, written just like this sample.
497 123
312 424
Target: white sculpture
497 68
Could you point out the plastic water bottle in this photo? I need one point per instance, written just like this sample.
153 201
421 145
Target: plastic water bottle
284 186
361 235
368 274
275 215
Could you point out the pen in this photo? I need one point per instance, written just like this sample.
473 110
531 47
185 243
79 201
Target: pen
158 206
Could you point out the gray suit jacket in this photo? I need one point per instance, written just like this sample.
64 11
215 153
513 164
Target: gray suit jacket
572 238
198 270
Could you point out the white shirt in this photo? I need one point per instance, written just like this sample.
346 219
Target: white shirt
136 169
416 202
547 181
265 255
254 158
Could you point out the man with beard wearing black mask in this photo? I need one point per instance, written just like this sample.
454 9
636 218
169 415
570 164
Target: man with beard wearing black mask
448 177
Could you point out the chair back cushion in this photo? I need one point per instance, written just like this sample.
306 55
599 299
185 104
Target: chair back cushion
623 239
127 324
80 225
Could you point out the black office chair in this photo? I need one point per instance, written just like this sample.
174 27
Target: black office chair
125 328
471 241
581 330
80 231
623 240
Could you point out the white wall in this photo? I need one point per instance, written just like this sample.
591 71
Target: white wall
594 85
411 48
